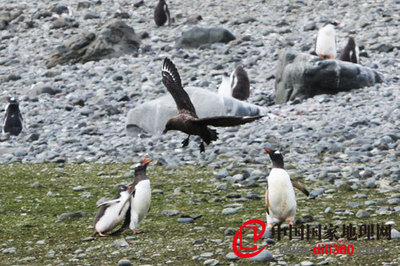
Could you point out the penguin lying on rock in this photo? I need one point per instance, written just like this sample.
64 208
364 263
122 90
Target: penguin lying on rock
112 212
280 199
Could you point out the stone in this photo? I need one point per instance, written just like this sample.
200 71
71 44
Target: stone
211 262
72 215
231 256
303 75
185 220
124 262
116 39
362 214
196 37
9 250
170 212
263 256
41 88
152 116
394 234
227 211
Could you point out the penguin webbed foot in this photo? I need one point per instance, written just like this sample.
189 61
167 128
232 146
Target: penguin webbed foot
185 142
136 232
104 235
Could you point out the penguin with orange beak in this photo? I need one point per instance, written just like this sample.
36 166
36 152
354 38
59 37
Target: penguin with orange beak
280 199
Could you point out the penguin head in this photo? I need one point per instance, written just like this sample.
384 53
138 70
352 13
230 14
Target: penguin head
122 189
143 165
334 23
11 100
276 157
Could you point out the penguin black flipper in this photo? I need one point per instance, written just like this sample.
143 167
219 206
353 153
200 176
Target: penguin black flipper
300 187
108 202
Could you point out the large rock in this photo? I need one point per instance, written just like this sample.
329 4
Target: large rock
115 40
302 75
152 116
196 37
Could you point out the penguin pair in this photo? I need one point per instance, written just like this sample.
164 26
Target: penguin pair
326 45
237 85
280 199
12 118
161 13
132 203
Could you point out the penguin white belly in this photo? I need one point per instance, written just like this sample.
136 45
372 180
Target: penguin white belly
326 45
140 204
113 216
225 87
282 200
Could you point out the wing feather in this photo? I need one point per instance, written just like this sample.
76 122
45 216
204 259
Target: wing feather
172 81
227 121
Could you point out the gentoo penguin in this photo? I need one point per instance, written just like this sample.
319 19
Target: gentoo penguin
13 118
112 212
236 86
240 84
141 201
350 52
187 120
280 199
62 11
224 88
161 13
325 46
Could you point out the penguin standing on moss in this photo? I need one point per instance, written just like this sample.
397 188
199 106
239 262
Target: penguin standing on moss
112 212
325 46
280 199
161 13
13 118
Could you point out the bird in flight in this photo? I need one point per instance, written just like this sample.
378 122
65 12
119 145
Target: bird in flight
187 120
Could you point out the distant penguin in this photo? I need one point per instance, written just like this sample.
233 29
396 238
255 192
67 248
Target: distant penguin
141 201
325 46
62 11
13 118
161 13
224 88
112 212
280 199
240 84
236 86
350 52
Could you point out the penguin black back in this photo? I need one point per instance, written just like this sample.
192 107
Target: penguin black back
161 13
240 84
276 157
350 52
13 118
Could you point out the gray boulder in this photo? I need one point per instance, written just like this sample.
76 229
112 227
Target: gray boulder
302 76
41 88
114 40
196 37
152 116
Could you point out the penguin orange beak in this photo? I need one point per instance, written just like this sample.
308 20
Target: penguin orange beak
267 150
144 162
130 187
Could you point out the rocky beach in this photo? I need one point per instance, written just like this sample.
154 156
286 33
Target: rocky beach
76 148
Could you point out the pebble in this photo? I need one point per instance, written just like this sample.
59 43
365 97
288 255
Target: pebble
211 262
231 256
9 250
185 220
170 212
263 256
229 211
124 262
362 214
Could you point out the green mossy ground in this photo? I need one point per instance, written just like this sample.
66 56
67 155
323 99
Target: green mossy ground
28 215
